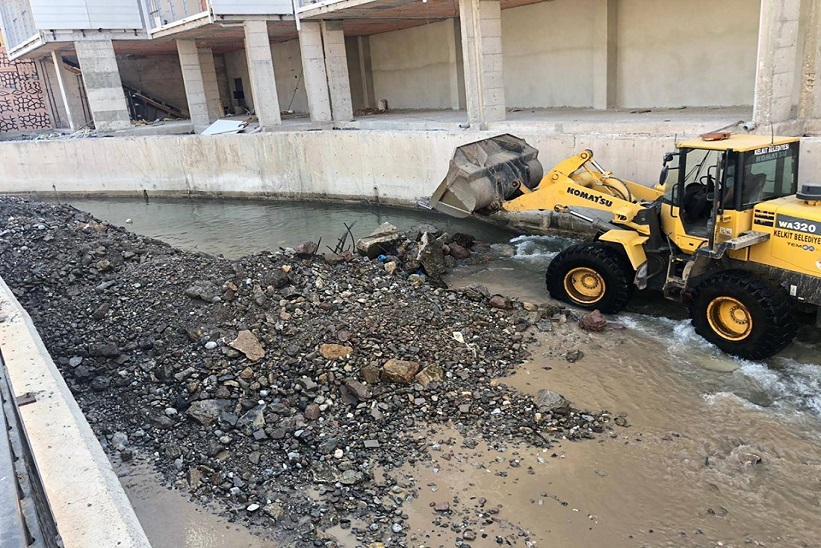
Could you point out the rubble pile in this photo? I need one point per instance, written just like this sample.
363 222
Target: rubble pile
248 381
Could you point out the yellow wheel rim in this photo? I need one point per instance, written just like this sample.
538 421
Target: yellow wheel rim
729 318
584 285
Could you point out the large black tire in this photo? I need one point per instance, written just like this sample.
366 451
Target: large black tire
591 276
743 315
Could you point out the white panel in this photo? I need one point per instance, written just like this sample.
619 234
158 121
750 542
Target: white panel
60 14
252 7
87 14
17 22
114 14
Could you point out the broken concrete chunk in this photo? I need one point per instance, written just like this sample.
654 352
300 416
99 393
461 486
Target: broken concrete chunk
547 400
399 371
432 255
252 420
248 344
206 412
382 240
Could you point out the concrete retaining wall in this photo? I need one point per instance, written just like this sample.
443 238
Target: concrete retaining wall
88 502
389 166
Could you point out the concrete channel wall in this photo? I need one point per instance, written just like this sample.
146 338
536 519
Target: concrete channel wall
363 165
86 498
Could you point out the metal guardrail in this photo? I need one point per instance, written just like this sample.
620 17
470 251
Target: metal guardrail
26 519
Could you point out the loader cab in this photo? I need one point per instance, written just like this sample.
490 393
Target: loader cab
711 187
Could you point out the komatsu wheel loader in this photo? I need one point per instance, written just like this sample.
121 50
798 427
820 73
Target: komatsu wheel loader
726 230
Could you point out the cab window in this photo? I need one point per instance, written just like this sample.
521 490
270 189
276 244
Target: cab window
769 172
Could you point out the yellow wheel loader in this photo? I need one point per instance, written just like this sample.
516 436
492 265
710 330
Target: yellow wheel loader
726 230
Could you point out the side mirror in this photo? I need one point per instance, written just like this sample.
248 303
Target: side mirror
663 175
668 157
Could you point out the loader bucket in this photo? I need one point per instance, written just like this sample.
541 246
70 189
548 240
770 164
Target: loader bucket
484 173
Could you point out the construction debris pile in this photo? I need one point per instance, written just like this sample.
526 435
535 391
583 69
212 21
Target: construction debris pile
255 381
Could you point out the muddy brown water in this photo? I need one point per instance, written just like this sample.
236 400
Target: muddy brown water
718 451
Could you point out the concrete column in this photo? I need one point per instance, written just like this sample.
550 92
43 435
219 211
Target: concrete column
69 92
313 71
481 22
778 54
200 79
261 73
456 65
363 44
211 83
104 88
605 29
809 106
336 68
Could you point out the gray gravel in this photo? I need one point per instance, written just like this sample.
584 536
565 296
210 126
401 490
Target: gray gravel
249 379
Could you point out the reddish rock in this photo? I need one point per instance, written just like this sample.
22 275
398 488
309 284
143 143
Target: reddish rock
335 351
399 371
442 507
593 321
501 302
458 252
248 344
312 412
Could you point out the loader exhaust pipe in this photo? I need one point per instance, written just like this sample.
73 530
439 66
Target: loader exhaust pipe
484 173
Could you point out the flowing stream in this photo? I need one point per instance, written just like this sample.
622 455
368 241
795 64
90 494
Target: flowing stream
720 451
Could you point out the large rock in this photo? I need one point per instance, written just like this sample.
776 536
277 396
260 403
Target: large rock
253 419
458 252
335 351
593 321
381 241
547 400
476 292
432 255
206 412
501 302
358 390
248 344
203 291
306 250
399 371
430 374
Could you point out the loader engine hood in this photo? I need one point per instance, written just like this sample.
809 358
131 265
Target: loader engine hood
795 227
484 173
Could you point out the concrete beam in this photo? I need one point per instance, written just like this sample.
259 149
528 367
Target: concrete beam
778 54
336 69
481 22
200 79
104 88
69 92
605 45
314 71
261 74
